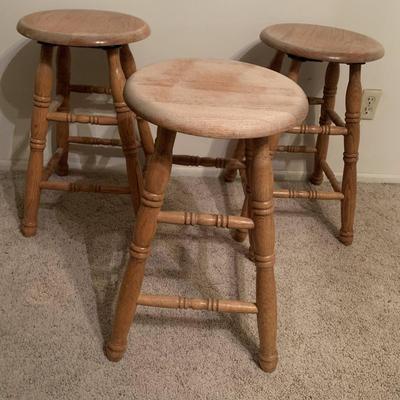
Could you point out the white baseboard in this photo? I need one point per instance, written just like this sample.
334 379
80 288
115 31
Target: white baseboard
180 170
281 175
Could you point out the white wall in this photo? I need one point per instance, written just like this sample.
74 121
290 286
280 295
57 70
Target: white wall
212 28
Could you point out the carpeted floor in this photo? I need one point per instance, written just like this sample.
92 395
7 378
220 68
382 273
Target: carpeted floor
339 307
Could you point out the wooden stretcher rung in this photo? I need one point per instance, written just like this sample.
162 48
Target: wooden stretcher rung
94 141
52 164
336 118
230 306
318 130
83 187
295 149
196 161
191 218
307 194
331 176
82 118
314 101
299 194
90 89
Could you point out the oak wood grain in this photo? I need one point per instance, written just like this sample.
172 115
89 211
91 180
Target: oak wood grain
331 81
39 126
322 43
216 98
350 154
83 28
156 179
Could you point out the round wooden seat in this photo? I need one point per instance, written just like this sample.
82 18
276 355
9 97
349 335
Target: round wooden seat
322 43
216 98
83 28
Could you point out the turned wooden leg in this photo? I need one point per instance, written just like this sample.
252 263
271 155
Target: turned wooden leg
230 172
294 69
156 179
264 243
39 126
240 234
331 81
350 155
276 63
125 125
62 88
293 74
129 68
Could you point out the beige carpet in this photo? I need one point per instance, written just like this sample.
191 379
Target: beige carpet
339 307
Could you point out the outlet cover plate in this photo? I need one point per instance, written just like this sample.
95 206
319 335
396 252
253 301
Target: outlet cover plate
369 103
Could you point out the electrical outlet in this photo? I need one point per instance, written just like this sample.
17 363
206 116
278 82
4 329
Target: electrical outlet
369 103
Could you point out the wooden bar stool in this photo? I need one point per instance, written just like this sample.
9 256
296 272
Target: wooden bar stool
302 43
63 29
216 99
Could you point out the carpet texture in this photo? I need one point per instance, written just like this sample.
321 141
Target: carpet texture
339 319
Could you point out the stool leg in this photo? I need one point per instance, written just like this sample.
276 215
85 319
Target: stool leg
264 243
129 68
125 125
156 179
63 82
350 155
39 126
240 234
293 74
229 172
276 63
330 88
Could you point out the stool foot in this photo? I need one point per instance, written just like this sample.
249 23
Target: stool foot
346 238
316 179
230 175
28 230
268 363
114 352
239 235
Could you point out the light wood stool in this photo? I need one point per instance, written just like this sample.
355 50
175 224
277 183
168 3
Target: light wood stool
303 42
216 99
90 29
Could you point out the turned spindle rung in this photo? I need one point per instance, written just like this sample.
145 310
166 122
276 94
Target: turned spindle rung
52 164
89 89
196 161
219 221
230 306
313 101
82 118
295 149
83 187
318 130
94 141
335 118
330 175
307 194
